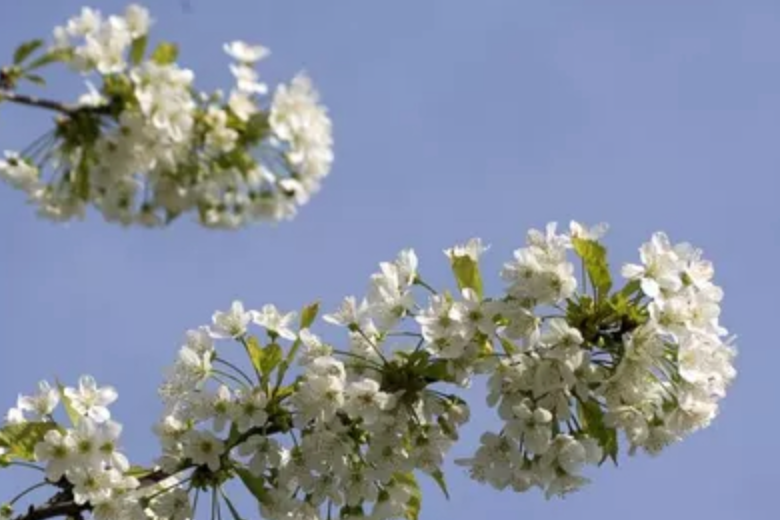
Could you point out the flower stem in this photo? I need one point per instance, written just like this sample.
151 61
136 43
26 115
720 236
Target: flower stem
234 367
26 491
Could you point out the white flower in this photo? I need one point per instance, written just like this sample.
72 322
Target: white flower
364 400
313 347
92 484
320 397
246 80
18 172
249 410
595 233
232 323
138 20
173 505
407 266
199 340
242 105
660 270
41 405
91 401
297 119
218 407
88 22
474 314
93 97
203 448
349 314
106 439
266 453
245 53
55 449
15 416
472 249
439 321
276 323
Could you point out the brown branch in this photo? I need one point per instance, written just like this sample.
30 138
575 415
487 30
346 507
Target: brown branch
62 503
32 101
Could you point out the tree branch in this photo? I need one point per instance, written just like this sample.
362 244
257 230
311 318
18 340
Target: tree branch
62 503
32 101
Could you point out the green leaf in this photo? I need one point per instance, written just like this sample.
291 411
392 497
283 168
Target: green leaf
138 49
595 257
415 501
50 57
631 288
509 347
255 353
437 371
20 439
466 271
592 419
438 476
272 357
73 415
165 53
25 50
351 512
255 485
137 472
309 314
234 435
35 78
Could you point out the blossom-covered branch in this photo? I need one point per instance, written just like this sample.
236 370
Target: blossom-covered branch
314 430
144 146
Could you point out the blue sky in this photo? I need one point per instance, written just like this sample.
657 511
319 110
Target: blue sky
452 119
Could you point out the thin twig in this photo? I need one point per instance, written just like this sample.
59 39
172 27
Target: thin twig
32 101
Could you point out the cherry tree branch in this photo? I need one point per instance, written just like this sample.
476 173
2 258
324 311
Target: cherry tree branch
32 101
63 505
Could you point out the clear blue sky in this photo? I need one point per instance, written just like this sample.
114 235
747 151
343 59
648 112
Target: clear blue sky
452 119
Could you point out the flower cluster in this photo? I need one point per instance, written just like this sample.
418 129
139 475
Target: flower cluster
348 432
146 146
572 366
647 362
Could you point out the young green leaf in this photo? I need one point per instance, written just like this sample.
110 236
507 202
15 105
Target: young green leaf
466 271
73 415
591 417
255 352
137 472
138 49
35 78
352 512
595 257
50 57
509 347
24 50
255 485
165 53
309 314
438 476
20 439
272 357
415 501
